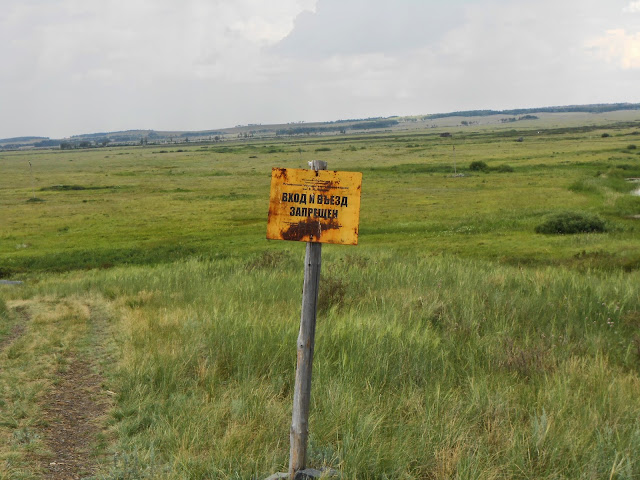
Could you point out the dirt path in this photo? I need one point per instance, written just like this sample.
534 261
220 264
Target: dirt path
17 330
62 339
73 409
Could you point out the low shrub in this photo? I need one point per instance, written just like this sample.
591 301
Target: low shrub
478 166
572 222
631 147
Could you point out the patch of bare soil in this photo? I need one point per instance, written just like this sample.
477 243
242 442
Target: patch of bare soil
72 410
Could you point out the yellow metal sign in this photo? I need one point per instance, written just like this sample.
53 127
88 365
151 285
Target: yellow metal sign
314 206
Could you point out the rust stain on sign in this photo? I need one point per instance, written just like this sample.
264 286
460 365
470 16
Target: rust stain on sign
314 206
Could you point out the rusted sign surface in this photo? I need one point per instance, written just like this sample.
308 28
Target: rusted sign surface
314 206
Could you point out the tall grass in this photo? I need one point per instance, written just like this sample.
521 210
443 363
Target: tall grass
429 367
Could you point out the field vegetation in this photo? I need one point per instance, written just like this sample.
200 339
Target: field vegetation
460 338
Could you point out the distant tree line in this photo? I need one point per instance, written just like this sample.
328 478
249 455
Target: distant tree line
74 145
198 134
514 119
359 120
306 130
71 145
373 124
47 143
11 146
338 127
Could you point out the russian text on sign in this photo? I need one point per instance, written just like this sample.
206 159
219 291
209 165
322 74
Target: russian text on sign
314 206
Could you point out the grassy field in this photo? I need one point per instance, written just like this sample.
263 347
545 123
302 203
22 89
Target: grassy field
453 342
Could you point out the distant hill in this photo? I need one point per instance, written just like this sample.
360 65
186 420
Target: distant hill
337 127
593 108
21 139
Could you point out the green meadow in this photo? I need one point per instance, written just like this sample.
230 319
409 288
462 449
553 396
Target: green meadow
455 341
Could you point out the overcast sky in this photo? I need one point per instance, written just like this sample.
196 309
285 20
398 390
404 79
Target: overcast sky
81 66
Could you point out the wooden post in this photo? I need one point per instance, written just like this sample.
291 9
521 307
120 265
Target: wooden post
306 340
33 183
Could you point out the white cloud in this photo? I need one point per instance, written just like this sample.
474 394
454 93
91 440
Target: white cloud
339 27
490 54
67 54
620 47
633 7
137 37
